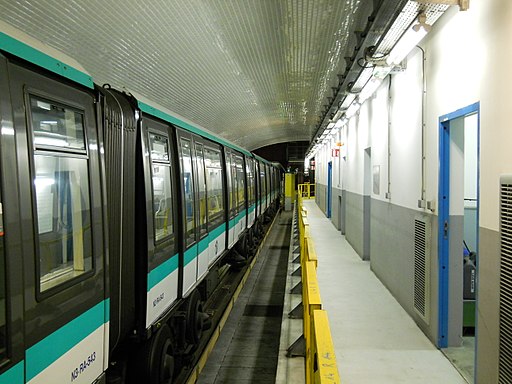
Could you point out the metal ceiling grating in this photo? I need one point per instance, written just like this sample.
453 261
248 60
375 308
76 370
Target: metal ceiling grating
254 72
505 315
406 17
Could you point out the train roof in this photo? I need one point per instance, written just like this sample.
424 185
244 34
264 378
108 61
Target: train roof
26 47
152 108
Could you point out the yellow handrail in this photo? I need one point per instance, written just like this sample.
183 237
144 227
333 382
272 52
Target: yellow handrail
306 190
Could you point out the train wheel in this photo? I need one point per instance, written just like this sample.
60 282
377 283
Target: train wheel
196 319
242 247
160 358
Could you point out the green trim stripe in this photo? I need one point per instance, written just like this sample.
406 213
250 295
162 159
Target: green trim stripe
26 52
203 244
232 223
189 127
190 254
217 231
162 271
50 349
251 208
14 375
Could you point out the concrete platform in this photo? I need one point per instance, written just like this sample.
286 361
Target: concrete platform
376 341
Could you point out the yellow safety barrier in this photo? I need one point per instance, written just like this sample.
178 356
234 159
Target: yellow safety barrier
325 369
321 364
306 190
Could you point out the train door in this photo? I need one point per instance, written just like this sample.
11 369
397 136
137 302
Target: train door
65 311
458 234
161 218
241 220
188 210
251 191
201 214
215 192
232 195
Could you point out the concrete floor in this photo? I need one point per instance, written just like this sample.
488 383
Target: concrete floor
376 341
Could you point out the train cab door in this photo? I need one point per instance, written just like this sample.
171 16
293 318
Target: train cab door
188 209
55 160
161 218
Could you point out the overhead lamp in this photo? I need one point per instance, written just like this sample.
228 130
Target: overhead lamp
411 37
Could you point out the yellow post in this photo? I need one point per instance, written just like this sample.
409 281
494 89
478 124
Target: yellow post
289 191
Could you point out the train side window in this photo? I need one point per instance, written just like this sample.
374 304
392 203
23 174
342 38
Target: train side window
62 198
188 191
214 186
201 187
240 177
3 303
162 187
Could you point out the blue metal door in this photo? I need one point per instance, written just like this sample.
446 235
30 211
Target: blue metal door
329 188
444 218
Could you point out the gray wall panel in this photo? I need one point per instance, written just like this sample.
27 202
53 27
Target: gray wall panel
488 267
392 258
354 221
321 196
336 208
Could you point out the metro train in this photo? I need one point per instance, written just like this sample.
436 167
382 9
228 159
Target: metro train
115 219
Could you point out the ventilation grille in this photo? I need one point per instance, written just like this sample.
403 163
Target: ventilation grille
505 361
422 267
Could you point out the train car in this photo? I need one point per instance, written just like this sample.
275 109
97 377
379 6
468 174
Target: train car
114 216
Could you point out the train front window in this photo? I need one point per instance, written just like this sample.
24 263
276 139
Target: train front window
56 126
162 187
63 219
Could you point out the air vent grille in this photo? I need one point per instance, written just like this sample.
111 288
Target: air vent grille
422 267
505 360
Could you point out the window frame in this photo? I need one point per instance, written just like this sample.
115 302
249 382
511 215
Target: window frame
168 164
55 151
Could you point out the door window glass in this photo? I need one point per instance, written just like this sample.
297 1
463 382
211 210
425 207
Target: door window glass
240 179
214 186
201 189
188 192
162 187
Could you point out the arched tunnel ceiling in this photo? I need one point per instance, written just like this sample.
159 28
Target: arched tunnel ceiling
254 72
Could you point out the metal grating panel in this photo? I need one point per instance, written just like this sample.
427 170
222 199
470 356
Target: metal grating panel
254 72
422 267
407 16
505 349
